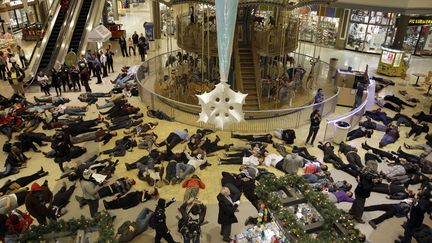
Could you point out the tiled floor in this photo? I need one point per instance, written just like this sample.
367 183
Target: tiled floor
386 232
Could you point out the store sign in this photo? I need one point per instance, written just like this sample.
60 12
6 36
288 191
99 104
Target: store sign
425 20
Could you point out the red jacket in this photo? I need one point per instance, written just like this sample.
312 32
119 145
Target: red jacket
191 182
24 223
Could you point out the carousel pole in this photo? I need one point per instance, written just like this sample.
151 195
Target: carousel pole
202 44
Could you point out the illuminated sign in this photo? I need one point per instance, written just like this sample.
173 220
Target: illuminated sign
425 20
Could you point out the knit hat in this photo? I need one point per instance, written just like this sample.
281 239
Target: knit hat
133 182
36 187
86 174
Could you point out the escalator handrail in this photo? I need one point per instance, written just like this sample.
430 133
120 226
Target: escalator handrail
63 31
87 30
44 27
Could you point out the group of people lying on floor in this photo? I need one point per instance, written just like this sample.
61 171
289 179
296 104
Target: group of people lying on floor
97 180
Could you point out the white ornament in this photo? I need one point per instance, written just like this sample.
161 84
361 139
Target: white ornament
222 106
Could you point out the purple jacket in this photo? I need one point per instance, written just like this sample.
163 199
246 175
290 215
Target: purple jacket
341 196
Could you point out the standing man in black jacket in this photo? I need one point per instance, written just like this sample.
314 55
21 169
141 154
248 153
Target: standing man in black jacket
367 180
159 221
226 216
135 38
416 215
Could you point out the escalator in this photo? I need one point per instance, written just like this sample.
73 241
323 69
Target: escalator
51 44
80 26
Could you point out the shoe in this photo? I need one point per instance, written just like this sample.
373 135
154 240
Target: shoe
217 138
105 204
226 240
400 237
360 221
173 181
371 223
80 201
399 149
128 167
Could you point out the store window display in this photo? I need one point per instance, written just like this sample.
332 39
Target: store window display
327 28
370 30
418 38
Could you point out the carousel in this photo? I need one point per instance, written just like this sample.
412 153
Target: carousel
263 60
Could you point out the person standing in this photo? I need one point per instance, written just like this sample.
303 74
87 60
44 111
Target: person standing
367 179
361 87
36 201
123 46
3 65
85 77
16 79
44 83
315 119
90 62
103 61
142 50
55 82
226 215
97 69
319 97
135 38
110 60
90 192
22 56
131 46
159 221
75 78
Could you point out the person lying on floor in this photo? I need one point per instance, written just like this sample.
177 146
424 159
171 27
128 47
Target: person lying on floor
141 129
147 141
393 171
393 191
417 129
340 196
402 119
127 124
381 103
53 100
121 147
287 135
92 97
369 124
174 138
131 199
379 115
351 154
51 122
12 201
264 138
14 160
31 122
74 171
397 101
20 183
423 161
112 104
193 186
380 153
390 136
290 163
97 136
121 110
258 147
194 162
397 210
421 116
302 151
208 146
359 133
243 158
77 128
426 147
158 114
18 222
129 230
68 110
61 199
119 188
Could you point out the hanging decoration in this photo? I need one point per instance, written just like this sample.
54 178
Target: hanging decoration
223 106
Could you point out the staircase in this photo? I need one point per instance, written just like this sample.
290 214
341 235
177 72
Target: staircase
80 25
51 44
247 70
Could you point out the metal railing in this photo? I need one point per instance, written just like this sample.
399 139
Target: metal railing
261 120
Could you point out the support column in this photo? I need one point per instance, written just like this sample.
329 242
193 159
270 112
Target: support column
43 11
114 4
156 20
400 32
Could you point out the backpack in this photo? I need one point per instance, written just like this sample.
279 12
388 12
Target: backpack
157 219
189 226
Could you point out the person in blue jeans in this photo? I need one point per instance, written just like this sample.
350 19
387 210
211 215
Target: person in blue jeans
129 230
13 162
391 135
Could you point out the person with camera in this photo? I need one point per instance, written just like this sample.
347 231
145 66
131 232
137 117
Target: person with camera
366 181
158 221
193 213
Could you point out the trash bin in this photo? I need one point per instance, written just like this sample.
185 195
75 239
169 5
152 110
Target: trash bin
341 131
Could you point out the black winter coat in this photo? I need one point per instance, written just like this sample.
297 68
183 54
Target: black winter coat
226 210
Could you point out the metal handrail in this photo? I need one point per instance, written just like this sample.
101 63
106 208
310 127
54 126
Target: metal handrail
142 81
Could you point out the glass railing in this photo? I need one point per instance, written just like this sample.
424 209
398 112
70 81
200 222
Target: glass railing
153 70
354 116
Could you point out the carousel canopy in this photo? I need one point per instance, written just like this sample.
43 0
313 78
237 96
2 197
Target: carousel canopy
288 4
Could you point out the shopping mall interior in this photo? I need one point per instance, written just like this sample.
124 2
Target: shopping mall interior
216 121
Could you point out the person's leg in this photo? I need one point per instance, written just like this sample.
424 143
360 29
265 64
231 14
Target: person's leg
315 132
174 141
179 167
93 206
106 105
105 192
168 237
226 232
387 215
24 181
408 234
158 237
170 171
143 219
231 161
358 207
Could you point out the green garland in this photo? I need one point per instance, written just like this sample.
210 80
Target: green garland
329 211
103 223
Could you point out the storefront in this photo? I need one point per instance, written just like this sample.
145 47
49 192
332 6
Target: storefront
327 27
418 38
368 31
21 16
